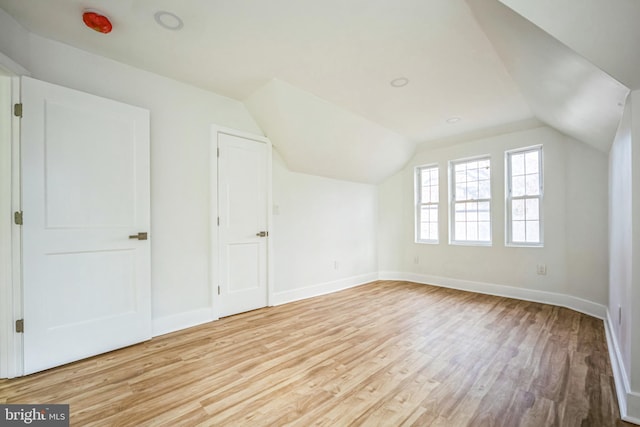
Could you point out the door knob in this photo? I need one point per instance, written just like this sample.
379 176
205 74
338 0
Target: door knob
262 234
139 236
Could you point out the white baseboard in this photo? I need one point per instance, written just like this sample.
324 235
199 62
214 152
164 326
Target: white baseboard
633 408
322 288
628 400
176 322
561 300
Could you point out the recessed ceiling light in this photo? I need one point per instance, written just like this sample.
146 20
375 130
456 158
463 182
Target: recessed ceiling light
454 119
168 20
399 82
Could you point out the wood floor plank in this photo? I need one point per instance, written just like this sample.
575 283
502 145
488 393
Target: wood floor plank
384 354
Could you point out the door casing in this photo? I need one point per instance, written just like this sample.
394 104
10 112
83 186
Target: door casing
11 354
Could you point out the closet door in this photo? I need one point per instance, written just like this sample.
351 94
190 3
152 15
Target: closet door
243 226
86 202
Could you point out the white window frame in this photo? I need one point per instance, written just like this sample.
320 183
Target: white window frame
419 170
453 239
510 198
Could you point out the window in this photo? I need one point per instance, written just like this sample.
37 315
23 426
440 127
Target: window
524 197
427 197
471 201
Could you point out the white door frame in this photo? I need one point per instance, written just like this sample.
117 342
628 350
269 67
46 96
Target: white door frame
214 264
11 355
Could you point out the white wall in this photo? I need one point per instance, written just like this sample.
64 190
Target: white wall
620 221
14 39
181 119
575 224
624 258
634 397
325 233
319 222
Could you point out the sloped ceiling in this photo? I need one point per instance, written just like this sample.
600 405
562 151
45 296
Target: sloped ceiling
316 75
336 142
605 32
563 89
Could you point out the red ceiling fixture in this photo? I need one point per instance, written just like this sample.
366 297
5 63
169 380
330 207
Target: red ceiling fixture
97 22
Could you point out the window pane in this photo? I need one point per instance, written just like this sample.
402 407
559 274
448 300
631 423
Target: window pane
472 174
533 232
427 212
472 191
517 186
518 210
484 189
424 214
434 195
424 232
426 178
524 196
517 164
433 231
484 211
484 173
533 185
484 231
472 212
531 162
532 209
425 196
472 231
461 192
518 234
472 182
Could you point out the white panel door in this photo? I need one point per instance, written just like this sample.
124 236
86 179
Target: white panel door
85 183
243 234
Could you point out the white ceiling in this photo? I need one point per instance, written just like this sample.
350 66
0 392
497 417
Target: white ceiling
345 53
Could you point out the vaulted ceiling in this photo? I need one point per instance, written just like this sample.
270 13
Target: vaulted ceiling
319 76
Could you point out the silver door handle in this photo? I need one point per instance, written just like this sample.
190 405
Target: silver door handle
262 234
140 236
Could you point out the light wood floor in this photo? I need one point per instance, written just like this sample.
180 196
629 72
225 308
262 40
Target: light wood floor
387 354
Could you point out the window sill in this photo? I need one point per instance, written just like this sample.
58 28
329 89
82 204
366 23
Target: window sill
482 244
523 245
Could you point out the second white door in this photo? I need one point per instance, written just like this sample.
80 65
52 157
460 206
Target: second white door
243 222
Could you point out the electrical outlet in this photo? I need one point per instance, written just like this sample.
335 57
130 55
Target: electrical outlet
416 259
336 265
541 269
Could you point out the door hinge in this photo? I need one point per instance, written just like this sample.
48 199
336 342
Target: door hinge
20 326
218 152
218 221
17 110
17 217
218 290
